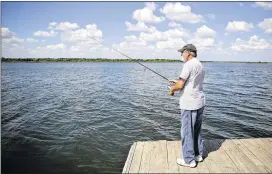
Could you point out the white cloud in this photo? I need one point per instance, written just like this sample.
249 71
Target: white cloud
56 47
170 44
66 26
241 4
13 39
204 38
9 37
31 40
177 11
173 24
239 26
130 38
205 32
83 34
211 16
265 5
52 25
146 14
6 33
52 33
266 25
140 26
165 35
254 43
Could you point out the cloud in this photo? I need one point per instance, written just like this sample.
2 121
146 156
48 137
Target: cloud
173 24
204 38
171 43
254 43
6 33
130 38
83 34
63 26
239 26
241 4
31 40
266 25
9 37
52 33
205 32
56 47
178 12
265 5
165 35
52 25
140 26
146 14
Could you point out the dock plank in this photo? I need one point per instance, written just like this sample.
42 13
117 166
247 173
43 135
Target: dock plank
259 166
259 152
129 158
148 148
172 157
159 163
136 160
211 160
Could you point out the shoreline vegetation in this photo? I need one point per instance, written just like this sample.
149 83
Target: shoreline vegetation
105 60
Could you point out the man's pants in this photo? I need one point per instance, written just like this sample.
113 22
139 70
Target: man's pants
192 144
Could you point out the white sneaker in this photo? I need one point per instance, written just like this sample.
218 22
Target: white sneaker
198 158
182 163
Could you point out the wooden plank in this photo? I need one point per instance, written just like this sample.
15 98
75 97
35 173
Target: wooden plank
211 160
238 157
259 152
172 157
158 161
136 161
264 145
225 161
245 155
148 148
268 142
247 152
129 158
183 169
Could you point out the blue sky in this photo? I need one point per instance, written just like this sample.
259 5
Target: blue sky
222 31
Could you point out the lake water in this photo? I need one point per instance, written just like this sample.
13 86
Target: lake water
83 117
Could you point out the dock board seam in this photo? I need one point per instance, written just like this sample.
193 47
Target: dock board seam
257 158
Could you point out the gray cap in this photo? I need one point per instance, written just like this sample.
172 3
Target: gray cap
189 47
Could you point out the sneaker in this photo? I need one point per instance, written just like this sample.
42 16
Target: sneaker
198 158
182 163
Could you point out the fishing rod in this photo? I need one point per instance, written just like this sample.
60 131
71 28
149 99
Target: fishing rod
130 58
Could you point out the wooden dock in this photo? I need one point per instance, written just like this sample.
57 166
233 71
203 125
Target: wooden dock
222 156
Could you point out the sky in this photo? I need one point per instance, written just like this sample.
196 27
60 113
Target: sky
221 31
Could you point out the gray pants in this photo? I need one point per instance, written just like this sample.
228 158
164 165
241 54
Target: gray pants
192 143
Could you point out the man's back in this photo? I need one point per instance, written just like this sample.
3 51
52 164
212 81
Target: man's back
192 95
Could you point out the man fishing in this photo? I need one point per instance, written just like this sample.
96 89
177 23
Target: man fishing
192 102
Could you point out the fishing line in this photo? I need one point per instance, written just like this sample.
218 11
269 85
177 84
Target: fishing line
129 58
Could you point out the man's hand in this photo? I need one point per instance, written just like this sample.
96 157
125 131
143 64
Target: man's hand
172 84
171 91
176 85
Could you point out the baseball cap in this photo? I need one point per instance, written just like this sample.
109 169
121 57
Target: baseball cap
188 47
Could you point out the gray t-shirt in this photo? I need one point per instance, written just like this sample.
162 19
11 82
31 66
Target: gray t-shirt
192 96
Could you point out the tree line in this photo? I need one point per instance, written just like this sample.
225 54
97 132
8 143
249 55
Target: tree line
82 60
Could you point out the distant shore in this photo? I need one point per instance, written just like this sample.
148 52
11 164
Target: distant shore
105 60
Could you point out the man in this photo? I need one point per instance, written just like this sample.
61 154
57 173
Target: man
192 102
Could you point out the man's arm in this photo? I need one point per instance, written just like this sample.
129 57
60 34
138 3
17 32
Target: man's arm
179 84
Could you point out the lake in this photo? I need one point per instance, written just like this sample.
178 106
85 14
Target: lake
83 117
